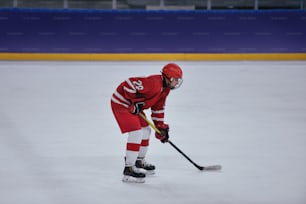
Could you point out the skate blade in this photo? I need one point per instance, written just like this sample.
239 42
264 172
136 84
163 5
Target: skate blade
130 179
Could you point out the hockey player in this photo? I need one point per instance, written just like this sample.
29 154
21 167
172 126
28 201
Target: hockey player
132 97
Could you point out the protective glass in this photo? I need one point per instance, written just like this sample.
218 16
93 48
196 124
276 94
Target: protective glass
175 82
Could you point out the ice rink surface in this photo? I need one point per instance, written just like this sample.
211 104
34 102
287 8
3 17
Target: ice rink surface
59 142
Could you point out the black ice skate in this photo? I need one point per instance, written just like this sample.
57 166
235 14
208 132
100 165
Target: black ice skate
132 174
150 168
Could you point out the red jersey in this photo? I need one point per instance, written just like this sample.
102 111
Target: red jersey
150 89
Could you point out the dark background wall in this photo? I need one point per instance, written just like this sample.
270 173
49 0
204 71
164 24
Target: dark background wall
98 31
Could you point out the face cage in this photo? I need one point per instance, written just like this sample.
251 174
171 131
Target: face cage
179 83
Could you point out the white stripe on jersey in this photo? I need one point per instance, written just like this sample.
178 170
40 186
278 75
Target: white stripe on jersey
118 95
118 102
131 89
158 111
157 119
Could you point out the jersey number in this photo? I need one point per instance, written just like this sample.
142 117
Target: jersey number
138 85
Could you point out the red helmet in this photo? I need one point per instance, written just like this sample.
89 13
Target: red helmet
172 70
174 75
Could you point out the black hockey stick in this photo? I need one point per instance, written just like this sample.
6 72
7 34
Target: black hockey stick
205 168
202 168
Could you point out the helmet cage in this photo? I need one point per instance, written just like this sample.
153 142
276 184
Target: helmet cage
179 82
171 80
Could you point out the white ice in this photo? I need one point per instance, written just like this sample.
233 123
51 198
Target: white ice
59 142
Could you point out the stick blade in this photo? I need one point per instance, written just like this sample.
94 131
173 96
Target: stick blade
211 168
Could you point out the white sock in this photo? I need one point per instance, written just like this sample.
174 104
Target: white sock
133 147
146 131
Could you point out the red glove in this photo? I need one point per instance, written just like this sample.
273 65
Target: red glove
136 106
163 136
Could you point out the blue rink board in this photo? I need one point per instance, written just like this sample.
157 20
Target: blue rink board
103 31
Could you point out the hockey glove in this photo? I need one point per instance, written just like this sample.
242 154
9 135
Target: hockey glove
164 133
136 106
